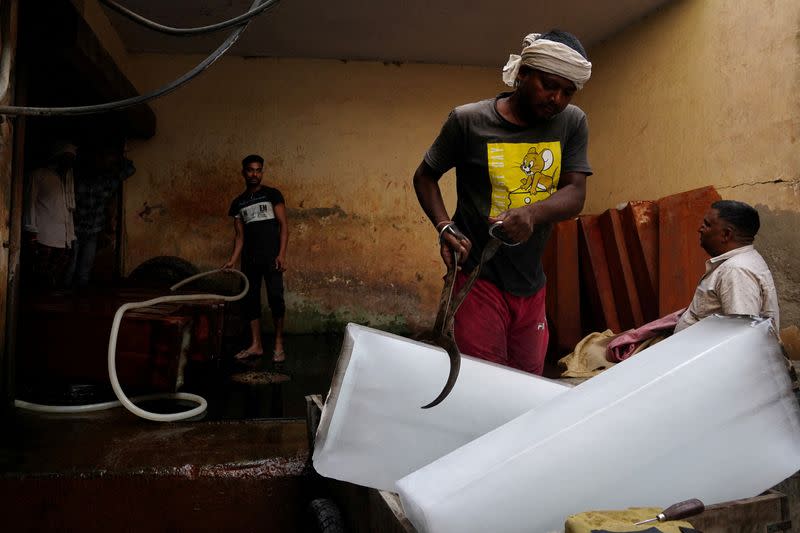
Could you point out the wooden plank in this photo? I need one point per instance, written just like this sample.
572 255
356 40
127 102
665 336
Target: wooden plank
601 309
791 488
10 196
626 295
681 259
766 513
563 302
640 227
313 413
387 514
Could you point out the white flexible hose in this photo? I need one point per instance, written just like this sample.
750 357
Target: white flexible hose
112 366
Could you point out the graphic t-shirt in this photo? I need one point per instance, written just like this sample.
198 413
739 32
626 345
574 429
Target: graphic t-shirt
261 228
499 166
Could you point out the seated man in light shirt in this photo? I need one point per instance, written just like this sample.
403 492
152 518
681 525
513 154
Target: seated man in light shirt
737 280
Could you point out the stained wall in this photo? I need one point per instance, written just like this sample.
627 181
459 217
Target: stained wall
341 141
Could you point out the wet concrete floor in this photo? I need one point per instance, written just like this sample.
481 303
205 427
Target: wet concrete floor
239 467
112 471
259 388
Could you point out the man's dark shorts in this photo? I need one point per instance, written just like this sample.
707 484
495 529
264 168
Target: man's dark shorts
256 270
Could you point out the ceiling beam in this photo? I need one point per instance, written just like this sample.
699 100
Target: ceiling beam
58 29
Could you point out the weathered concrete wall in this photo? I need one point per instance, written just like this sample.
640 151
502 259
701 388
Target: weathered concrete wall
705 92
341 141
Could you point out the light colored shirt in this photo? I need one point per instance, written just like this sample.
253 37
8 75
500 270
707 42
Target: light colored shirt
47 211
737 282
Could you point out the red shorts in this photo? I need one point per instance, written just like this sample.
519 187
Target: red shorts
502 328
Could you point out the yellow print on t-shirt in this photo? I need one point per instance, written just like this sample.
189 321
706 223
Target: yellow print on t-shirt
522 173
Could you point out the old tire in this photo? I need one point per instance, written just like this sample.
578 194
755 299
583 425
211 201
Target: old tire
323 516
162 271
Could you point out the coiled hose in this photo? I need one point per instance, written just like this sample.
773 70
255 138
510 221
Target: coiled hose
122 399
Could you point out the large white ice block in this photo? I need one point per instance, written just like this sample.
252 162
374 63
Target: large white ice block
373 431
708 413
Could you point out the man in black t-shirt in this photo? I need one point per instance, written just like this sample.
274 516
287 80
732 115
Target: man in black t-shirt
520 160
261 236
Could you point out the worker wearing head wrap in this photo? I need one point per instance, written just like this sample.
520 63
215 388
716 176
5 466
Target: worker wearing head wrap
520 160
549 56
48 215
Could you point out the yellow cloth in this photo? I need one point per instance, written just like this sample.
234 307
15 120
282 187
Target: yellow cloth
620 521
589 357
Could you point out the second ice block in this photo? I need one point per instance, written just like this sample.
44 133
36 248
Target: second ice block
708 413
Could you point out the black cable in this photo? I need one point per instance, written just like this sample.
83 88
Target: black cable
183 32
136 100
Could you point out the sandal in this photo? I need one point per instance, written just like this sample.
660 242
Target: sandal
278 356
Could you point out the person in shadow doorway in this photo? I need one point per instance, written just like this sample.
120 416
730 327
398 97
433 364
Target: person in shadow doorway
47 219
95 184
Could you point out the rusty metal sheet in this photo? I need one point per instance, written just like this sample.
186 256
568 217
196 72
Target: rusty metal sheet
640 227
600 311
626 295
681 259
560 262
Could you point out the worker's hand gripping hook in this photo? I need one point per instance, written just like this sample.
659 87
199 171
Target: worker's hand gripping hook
442 333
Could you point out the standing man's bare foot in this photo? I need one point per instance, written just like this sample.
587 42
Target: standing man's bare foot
278 355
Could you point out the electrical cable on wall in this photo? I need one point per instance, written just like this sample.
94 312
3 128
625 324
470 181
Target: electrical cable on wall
136 100
122 399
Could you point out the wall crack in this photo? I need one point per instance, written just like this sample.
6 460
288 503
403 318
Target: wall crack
793 182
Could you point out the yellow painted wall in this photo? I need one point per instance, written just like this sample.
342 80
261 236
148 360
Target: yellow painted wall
341 141
704 92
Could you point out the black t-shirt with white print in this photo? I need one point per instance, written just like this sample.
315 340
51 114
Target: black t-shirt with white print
261 228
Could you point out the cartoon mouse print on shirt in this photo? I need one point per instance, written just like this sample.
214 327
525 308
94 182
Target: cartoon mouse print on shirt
535 181
522 173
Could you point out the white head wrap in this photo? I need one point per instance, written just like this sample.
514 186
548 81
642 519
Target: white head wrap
548 56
